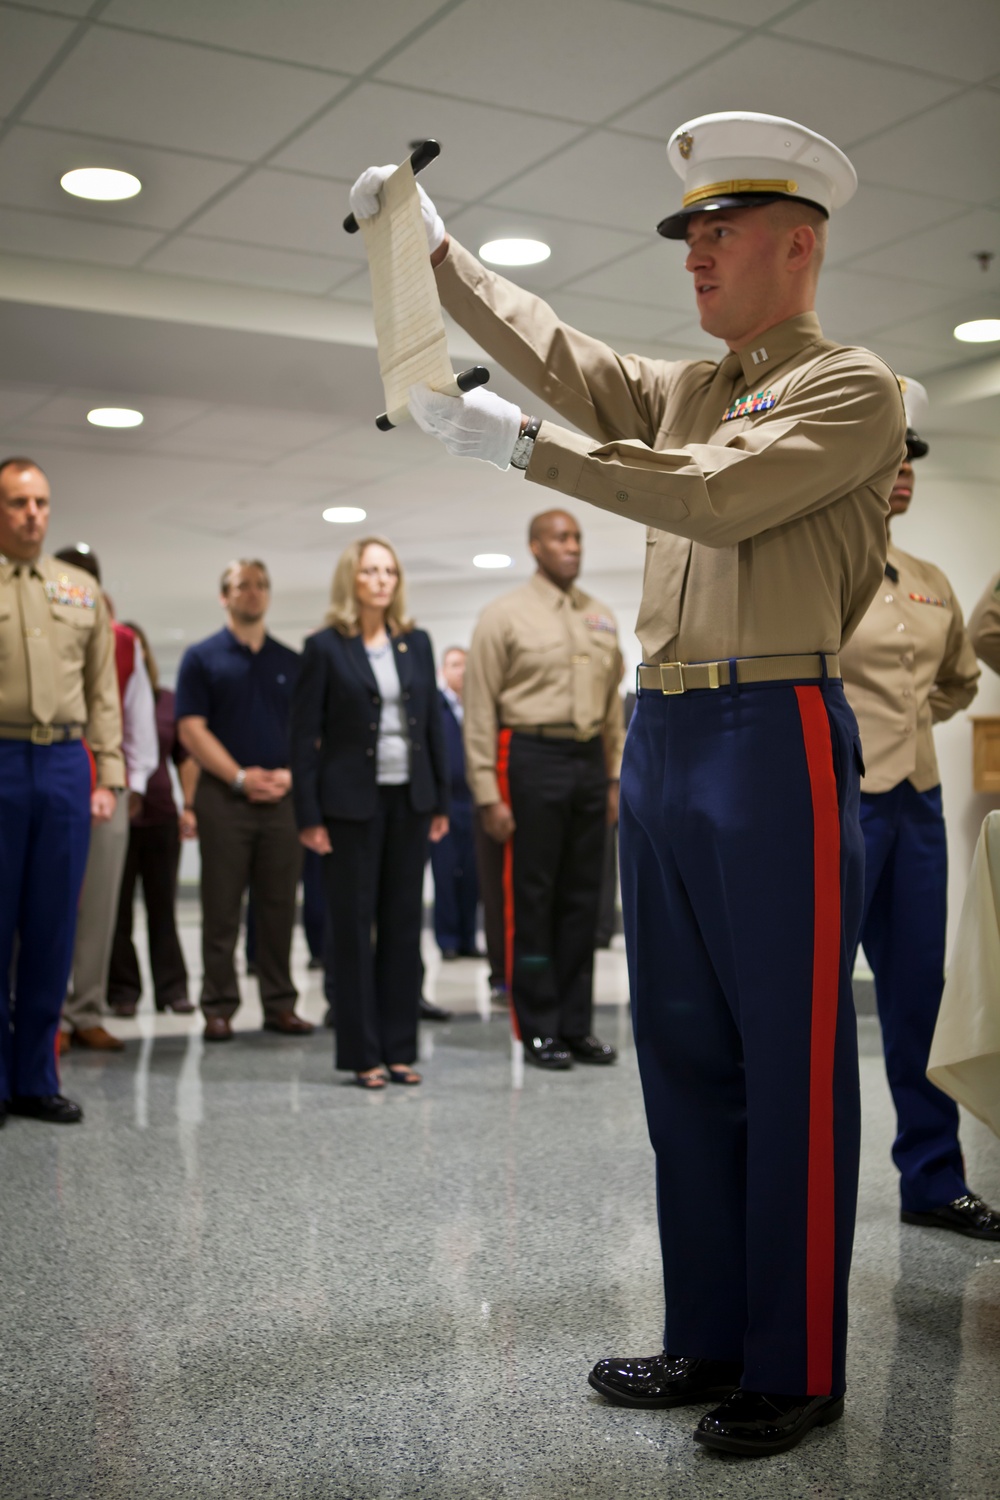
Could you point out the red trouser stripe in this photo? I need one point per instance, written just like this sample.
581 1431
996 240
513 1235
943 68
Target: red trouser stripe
503 780
825 995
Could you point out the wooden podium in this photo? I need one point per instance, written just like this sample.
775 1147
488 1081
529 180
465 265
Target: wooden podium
986 753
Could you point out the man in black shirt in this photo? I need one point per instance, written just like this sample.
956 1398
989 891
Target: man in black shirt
233 696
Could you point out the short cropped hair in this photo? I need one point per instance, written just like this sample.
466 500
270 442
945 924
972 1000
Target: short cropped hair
225 582
343 611
18 463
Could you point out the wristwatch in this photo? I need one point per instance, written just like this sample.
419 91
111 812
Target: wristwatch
238 780
523 448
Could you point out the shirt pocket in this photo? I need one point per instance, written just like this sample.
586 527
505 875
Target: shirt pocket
72 625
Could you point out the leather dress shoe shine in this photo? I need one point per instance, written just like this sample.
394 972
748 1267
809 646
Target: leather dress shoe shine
546 1052
587 1049
53 1108
97 1038
217 1029
289 1024
966 1215
428 1012
662 1381
755 1424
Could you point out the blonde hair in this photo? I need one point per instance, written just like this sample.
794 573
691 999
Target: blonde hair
226 581
343 611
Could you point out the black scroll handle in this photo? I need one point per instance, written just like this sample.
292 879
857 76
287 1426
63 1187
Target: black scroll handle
424 154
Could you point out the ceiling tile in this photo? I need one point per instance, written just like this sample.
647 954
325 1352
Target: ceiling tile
77 8
880 216
58 238
27 45
908 359
18 402
33 160
376 123
258 432
932 154
621 182
961 39
68 411
850 303
618 323
778 77
653 276
739 12
573 252
136 88
935 329
348 38
528 58
946 255
222 260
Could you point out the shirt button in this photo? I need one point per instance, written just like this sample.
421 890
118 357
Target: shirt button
622 495
888 598
900 626
552 473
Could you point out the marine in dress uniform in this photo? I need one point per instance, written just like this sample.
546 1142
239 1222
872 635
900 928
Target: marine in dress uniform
453 858
908 666
763 481
57 684
984 625
543 747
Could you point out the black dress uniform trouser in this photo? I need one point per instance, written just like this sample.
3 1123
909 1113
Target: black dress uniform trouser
558 794
153 855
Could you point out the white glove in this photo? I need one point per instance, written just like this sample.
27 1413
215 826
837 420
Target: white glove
478 424
366 201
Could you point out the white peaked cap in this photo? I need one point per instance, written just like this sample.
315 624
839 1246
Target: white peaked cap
916 405
737 158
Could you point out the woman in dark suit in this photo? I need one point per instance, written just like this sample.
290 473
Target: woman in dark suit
370 782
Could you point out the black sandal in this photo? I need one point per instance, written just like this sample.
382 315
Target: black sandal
369 1081
405 1075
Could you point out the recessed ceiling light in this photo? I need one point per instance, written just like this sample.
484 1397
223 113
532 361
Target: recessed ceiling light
114 416
514 252
100 182
491 560
340 515
979 331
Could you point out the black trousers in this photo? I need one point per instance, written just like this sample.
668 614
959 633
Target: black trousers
374 886
558 794
243 844
489 868
153 856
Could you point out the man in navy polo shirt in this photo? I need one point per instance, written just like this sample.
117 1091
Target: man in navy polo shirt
233 695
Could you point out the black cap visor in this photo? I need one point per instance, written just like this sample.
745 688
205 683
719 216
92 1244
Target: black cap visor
915 446
674 226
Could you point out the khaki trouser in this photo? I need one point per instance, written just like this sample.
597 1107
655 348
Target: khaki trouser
86 997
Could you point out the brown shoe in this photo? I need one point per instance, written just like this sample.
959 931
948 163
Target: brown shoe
62 1043
97 1038
289 1024
217 1029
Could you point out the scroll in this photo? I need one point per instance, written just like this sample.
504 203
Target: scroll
412 344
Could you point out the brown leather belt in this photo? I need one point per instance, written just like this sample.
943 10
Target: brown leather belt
555 732
42 734
673 677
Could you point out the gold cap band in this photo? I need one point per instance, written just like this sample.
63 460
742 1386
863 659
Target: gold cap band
740 185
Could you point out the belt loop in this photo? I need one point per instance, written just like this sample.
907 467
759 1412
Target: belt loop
638 684
734 681
824 673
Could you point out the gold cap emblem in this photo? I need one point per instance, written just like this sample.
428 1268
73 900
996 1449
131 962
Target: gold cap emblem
685 144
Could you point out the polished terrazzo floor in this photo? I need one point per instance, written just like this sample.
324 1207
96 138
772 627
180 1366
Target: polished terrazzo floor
242 1278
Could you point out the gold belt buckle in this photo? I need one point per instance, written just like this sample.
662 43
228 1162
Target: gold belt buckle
678 667
42 734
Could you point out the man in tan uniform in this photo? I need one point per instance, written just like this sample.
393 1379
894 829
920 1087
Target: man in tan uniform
57 684
763 480
984 625
543 745
908 666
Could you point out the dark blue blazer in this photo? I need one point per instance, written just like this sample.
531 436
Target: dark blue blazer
456 752
336 708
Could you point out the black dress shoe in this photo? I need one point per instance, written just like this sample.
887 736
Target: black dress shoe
54 1108
449 955
967 1215
3 1113
587 1049
546 1052
661 1381
754 1424
428 1012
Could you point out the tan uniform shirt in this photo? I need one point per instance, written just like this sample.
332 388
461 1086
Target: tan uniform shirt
984 625
57 657
909 665
540 656
766 531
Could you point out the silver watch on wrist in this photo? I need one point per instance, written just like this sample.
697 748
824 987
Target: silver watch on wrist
524 447
238 782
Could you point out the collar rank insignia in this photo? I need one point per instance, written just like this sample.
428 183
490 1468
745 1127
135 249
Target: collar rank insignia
931 599
749 405
62 591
